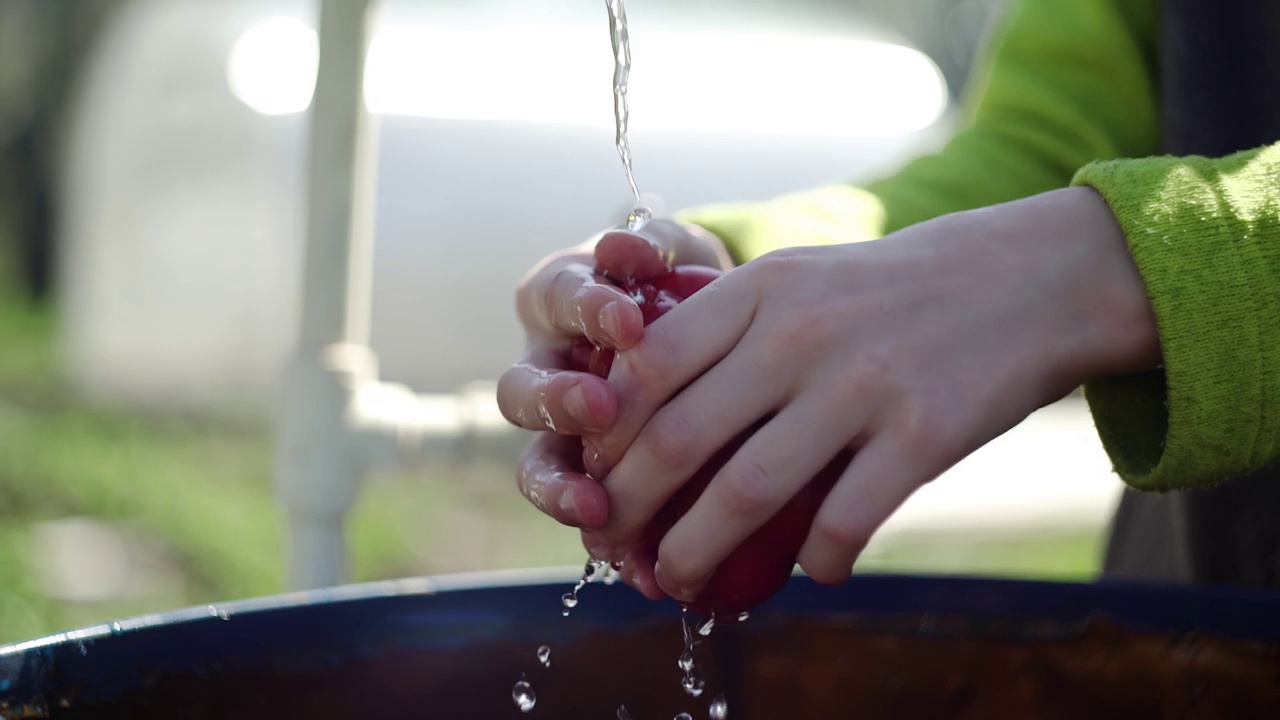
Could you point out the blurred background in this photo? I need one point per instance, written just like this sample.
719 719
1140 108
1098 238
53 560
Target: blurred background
152 221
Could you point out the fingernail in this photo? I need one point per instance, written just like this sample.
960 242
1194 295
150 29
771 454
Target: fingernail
575 403
567 504
669 586
611 321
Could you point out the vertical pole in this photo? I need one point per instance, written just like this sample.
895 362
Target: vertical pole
318 464
340 189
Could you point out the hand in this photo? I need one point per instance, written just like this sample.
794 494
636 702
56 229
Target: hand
912 351
563 299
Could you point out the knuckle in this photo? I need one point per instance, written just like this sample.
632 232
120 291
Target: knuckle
776 268
677 566
560 289
802 335
512 392
669 438
649 361
826 573
867 375
747 490
841 536
925 425
531 489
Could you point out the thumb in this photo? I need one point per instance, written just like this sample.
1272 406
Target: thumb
639 254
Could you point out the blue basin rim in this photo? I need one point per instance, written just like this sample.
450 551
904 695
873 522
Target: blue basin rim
327 627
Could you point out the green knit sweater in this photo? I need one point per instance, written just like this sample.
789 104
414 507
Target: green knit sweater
1067 95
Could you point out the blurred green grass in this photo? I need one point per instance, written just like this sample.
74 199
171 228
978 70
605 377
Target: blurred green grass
201 491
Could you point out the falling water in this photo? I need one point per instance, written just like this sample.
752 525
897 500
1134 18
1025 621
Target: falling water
620 39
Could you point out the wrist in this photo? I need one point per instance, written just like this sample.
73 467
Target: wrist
1113 326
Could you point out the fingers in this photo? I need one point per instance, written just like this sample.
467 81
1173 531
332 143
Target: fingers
638 572
881 477
653 249
684 434
570 296
675 350
757 481
635 568
563 401
550 476
567 299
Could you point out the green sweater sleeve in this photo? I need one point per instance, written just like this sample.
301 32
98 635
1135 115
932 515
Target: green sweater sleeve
1066 91
1064 82
1205 235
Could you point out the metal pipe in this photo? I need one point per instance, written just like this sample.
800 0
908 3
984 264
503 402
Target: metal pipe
337 421
340 188
317 460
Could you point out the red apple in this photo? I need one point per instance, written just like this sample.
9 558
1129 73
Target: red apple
760 566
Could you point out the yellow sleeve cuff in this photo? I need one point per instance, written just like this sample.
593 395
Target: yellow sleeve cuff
829 215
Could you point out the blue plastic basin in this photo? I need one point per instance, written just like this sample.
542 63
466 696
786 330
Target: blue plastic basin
878 646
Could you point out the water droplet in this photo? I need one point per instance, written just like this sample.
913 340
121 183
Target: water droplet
693 686
743 616
213 611
522 695
544 656
690 683
222 615
569 600
719 708
623 713
116 629
545 415
564 613
706 627
638 218
83 650
684 716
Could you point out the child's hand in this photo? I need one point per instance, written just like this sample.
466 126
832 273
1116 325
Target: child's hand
913 351
563 299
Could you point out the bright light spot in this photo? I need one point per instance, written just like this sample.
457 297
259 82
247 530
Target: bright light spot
272 67
680 81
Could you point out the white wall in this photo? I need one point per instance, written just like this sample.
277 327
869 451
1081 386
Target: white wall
182 234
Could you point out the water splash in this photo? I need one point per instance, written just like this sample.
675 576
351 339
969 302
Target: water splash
638 218
523 696
707 627
719 708
613 573
593 571
691 684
